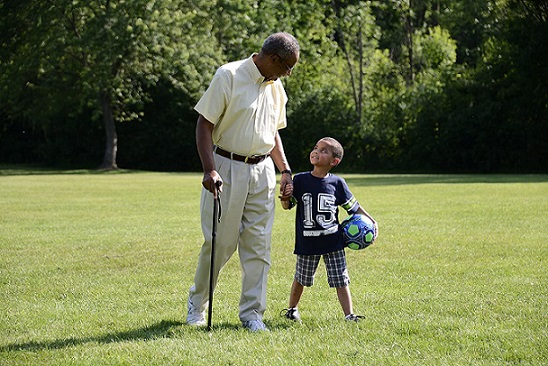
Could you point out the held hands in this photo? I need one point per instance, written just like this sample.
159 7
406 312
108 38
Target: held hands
286 187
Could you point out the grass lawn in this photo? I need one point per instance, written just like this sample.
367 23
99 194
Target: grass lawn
95 269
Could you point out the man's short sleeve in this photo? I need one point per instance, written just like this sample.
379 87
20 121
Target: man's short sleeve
213 102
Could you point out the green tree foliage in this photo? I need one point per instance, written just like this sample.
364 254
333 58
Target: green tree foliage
356 36
100 56
504 101
434 85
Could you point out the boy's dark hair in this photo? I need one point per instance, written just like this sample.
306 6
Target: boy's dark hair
338 150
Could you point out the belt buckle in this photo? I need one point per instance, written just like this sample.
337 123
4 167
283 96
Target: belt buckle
251 157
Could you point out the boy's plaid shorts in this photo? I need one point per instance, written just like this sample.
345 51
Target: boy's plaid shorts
335 264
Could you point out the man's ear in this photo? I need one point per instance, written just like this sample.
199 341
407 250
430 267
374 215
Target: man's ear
274 58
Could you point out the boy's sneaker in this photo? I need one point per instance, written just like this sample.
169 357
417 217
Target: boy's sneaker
194 316
255 326
291 314
353 318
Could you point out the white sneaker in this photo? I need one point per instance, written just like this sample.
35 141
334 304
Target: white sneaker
291 314
353 318
194 316
255 326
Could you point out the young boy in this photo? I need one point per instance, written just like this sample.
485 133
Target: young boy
317 195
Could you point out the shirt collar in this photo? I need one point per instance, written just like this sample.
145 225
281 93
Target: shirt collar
254 72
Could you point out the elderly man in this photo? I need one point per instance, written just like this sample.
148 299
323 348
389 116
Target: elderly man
239 144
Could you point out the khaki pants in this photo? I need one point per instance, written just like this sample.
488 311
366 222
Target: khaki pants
247 208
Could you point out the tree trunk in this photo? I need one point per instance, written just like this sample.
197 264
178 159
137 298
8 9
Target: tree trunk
409 29
359 109
341 41
111 147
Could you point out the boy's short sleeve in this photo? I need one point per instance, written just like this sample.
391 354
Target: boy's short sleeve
349 203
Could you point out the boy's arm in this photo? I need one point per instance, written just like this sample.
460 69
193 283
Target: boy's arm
289 203
361 211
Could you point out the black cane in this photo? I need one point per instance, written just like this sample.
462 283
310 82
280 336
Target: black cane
216 218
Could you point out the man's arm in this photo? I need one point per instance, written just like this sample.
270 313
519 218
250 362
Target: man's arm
204 143
278 156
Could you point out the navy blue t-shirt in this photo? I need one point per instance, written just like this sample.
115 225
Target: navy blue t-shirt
317 229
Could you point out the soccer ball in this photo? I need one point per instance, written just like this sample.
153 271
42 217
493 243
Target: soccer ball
358 231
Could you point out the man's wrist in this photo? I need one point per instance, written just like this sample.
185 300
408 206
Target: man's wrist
287 171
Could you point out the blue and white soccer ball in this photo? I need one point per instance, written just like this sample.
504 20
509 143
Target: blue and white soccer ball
358 231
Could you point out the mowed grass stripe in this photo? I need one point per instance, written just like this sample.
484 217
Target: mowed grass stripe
95 269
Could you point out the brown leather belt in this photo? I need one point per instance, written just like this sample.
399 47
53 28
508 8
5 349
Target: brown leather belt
253 159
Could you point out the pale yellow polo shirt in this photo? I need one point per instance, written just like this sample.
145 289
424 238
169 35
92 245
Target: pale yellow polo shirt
246 110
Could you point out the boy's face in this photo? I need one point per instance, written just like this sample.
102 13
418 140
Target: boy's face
322 155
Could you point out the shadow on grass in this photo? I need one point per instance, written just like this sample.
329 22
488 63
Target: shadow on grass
159 330
238 327
163 329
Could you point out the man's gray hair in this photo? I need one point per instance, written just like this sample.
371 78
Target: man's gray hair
282 44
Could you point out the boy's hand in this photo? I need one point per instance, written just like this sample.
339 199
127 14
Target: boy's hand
287 202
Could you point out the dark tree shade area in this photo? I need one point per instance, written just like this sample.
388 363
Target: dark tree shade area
455 86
